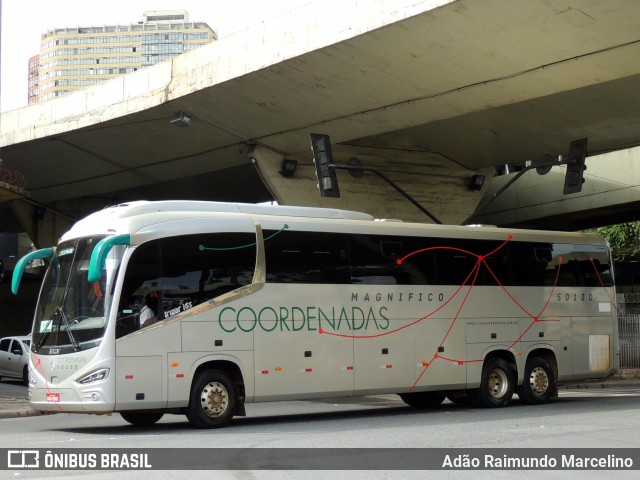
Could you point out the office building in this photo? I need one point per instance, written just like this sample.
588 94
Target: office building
74 58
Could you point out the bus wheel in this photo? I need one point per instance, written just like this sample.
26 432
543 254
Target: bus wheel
539 383
423 399
497 384
141 419
213 400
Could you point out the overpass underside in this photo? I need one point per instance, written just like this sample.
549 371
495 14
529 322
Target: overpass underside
610 195
430 92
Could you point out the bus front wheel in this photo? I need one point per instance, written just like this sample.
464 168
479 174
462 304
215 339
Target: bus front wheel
212 403
497 385
539 383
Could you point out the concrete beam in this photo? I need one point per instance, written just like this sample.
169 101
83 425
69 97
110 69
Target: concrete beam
609 195
438 184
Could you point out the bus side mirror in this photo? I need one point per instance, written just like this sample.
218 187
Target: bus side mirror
21 266
100 252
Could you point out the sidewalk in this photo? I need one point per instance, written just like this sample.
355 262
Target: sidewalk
12 407
15 407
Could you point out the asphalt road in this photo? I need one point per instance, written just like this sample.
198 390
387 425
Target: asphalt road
12 388
597 418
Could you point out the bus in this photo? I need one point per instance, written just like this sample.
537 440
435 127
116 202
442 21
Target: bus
199 308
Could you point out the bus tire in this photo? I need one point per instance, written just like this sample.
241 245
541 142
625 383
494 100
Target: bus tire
212 403
423 399
142 419
497 384
539 384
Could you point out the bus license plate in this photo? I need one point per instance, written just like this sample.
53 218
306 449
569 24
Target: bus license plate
53 397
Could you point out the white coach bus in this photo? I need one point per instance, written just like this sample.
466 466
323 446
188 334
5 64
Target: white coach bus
198 308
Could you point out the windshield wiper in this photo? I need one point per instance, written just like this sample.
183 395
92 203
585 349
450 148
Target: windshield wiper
60 311
36 346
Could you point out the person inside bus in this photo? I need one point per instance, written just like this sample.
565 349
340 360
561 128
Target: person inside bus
148 308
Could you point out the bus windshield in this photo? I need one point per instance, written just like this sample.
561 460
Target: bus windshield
71 312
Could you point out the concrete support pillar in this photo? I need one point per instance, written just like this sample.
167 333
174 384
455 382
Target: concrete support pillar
44 225
436 183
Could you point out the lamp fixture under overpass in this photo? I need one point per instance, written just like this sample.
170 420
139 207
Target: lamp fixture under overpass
181 119
476 182
288 167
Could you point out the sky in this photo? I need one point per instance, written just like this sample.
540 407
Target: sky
23 22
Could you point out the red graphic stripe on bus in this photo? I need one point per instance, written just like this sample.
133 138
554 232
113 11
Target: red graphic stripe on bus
390 332
470 282
38 366
473 273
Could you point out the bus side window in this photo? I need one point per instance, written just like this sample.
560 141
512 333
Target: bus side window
200 267
374 260
532 263
472 262
306 257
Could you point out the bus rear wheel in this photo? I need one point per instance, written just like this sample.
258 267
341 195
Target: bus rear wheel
212 403
497 384
539 383
141 419
423 399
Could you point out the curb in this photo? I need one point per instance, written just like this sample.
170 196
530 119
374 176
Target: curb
12 407
19 414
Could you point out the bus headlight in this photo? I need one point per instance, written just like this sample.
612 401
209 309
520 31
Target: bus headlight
93 377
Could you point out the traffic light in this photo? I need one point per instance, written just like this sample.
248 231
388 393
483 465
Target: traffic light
573 179
323 159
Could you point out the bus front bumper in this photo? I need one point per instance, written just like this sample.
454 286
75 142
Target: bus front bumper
70 401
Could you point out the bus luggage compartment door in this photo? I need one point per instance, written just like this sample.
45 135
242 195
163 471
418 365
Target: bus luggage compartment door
139 383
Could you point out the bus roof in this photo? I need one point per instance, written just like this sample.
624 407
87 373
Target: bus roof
107 220
132 217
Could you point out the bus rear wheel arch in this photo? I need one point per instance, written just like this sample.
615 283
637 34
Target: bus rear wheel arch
213 400
497 385
539 384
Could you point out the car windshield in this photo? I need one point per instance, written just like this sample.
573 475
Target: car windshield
71 312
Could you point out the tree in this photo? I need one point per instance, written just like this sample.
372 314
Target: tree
623 238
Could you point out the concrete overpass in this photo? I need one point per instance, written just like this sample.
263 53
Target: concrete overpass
429 91
609 195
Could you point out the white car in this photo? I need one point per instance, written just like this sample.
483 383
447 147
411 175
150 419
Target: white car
14 358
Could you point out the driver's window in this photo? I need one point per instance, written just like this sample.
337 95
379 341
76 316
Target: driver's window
140 290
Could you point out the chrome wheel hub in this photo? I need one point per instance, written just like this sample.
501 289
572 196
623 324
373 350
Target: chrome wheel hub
214 399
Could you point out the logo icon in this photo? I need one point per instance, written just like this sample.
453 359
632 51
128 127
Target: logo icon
23 459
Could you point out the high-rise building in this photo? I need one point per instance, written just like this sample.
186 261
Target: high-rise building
73 58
